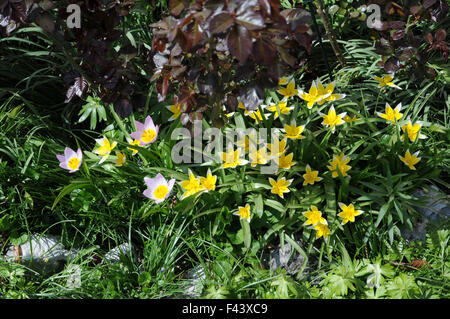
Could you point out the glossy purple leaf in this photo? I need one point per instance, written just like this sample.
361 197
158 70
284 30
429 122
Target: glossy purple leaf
428 37
240 43
296 17
397 25
78 88
123 107
220 22
439 11
265 4
397 35
406 54
415 9
428 3
440 35
286 56
252 20
264 52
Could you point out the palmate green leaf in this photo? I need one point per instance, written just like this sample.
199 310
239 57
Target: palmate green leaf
92 109
19 239
93 121
376 273
5 222
286 287
402 287
340 285
378 293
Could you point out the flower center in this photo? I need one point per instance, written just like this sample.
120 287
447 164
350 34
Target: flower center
74 162
245 213
148 135
161 191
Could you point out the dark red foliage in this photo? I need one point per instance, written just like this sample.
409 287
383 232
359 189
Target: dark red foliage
207 53
90 47
14 12
438 42
211 53
400 42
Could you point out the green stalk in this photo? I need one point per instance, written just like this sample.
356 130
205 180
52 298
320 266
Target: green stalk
147 102
376 104
118 121
311 241
320 256
123 129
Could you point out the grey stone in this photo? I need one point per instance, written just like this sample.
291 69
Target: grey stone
42 253
434 210
193 283
437 204
286 257
114 255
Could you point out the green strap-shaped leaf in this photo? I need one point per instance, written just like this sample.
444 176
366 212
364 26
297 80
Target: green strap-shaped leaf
247 233
68 189
381 213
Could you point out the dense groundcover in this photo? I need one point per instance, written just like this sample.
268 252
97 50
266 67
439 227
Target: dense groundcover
224 149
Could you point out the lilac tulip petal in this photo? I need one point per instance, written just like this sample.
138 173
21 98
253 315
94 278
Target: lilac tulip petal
68 152
152 184
136 135
148 181
60 158
80 155
139 125
64 165
160 180
156 132
170 185
147 193
149 123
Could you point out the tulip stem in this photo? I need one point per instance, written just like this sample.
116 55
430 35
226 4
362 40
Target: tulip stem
311 241
320 256
376 103
123 129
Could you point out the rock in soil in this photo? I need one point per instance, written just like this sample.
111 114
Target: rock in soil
286 257
42 253
435 210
